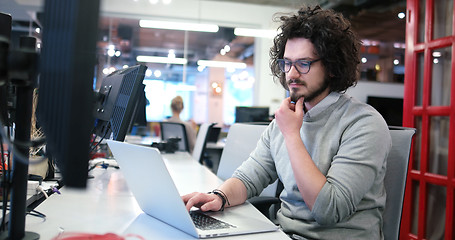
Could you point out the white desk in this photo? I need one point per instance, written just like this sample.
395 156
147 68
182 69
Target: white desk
107 206
147 141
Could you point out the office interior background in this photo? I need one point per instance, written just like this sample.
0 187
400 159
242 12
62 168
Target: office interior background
418 31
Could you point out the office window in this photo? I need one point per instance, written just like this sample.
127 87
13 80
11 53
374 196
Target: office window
159 95
239 92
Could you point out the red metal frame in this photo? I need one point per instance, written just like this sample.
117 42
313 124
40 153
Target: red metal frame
411 111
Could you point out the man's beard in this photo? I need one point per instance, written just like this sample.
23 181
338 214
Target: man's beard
311 95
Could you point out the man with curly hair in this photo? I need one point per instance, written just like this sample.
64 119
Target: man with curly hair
328 149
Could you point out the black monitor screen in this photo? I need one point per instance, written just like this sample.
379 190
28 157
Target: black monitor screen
391 109
118 102
251 114
65 104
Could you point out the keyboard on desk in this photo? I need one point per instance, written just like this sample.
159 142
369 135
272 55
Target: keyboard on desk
205 222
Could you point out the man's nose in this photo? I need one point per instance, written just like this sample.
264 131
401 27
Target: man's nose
293 72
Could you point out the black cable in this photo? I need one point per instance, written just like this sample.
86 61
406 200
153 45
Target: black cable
95 165
102 138
37 214
14 144
33 212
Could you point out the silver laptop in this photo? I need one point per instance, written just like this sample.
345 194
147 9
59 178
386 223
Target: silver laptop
151 184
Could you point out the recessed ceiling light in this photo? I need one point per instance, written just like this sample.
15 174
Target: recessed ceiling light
199 27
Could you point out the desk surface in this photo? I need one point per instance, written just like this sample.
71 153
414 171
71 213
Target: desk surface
107 206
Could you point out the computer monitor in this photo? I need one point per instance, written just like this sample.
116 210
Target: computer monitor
5 36
119 98
251 114
139 122
66 97
390 108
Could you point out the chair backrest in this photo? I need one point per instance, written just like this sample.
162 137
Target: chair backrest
395 179
240 142
175 130
201 141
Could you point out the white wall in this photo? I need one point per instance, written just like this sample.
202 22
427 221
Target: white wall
363 89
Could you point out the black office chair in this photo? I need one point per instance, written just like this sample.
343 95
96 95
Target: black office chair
175 130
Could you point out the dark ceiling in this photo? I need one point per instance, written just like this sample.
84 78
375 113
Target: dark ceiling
372 19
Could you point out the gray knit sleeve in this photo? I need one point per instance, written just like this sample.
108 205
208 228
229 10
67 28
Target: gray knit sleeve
355 178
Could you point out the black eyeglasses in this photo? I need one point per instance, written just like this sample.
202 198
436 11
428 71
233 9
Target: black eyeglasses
302 66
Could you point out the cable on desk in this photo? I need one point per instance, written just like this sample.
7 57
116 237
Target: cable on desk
33 213
95 165
41 189
94 146
92 236
37 214
103 165
54 189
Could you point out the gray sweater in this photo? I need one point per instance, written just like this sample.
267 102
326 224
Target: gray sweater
349 142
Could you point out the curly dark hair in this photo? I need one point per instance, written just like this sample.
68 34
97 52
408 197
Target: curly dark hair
334 41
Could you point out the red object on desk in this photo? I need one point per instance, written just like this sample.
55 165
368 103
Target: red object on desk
98 155
85 236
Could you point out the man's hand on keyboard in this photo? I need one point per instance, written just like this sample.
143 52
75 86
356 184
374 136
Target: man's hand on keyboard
203 201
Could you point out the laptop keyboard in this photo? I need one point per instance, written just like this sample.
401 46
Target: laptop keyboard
205 222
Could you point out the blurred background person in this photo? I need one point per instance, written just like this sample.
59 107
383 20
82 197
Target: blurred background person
176 108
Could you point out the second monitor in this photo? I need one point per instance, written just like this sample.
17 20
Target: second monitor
117 102
251 114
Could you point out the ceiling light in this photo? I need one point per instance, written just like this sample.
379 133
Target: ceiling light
157 73
249 32
366 42
154 59
399 45
401 15
198 27
221 64
227 48
436 54
111 52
